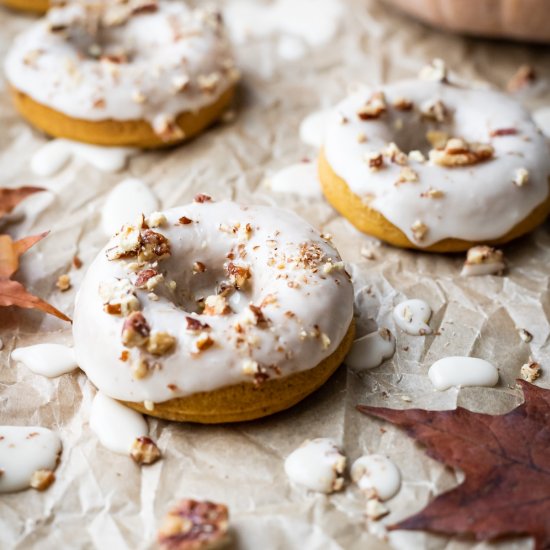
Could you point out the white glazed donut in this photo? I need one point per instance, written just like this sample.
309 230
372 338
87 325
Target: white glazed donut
227 294
477 187
144 60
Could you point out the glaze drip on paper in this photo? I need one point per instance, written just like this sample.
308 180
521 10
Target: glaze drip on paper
412 316
377 476
317 465
50 360
462 371
299 179
115 425
371 350
23 451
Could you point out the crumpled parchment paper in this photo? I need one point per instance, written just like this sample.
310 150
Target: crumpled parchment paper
103 500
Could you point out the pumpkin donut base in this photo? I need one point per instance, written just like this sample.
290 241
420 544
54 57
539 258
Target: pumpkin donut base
372 222
241 402
118 133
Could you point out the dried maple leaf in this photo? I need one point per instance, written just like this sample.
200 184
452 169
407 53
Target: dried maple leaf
13 293
10 198
506 459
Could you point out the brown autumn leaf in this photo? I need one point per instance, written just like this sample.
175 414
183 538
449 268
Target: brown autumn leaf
10 198
506 460
13 293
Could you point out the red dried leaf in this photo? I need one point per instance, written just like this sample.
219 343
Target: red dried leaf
13 293
10 198
506 460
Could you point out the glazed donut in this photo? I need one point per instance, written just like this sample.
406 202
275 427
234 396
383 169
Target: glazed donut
214 312
515 19
435 165
33 6
143 73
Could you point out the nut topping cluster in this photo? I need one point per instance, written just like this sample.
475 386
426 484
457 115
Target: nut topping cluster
458 152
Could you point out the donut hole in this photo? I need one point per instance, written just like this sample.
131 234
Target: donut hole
419 134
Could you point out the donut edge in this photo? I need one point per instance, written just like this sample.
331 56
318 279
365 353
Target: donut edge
29 6
242 402
117 133
370 221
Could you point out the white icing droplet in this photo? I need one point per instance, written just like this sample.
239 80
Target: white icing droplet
412 316
125 203
370 351
542 120
23 451
312 128
317 465
462 371
115 425
378 474
298 179
55 154
49 360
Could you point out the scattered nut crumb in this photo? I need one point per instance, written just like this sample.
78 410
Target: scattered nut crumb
525 335
521 177
42 479
530 371
375 510
63 282
144 451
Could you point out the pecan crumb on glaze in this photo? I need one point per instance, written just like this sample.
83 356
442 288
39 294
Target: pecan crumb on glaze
154 246
258 315
419 230
140 368
63 282
407 175
458 152
156 219
402 104
437 138
77 262
203 342
373 108
395 155
238 274
160 343
201 197
194 525
194 325
216 304
119 297
500 132
432 193
135 330
144 451
184 220
199 267
524 76
521 177
144 276
374 160
42 479
435 110
530 371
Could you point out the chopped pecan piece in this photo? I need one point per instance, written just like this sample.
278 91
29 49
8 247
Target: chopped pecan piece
435 110
458 152
238 274
135 330
154 246
530 371
184 220
499 132
373 108
194 525
194 325
160 343
144 451
201 197
216 304
42 479
63 282
144 276
419 230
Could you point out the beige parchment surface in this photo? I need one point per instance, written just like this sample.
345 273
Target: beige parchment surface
103 500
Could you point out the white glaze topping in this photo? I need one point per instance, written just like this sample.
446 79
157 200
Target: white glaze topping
462 371
412 316
156 64
55 154
429 201
49 360
371 350
246 293
23 451
377 475
312 128
299 179
317 465
542 119
115 425
127 201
